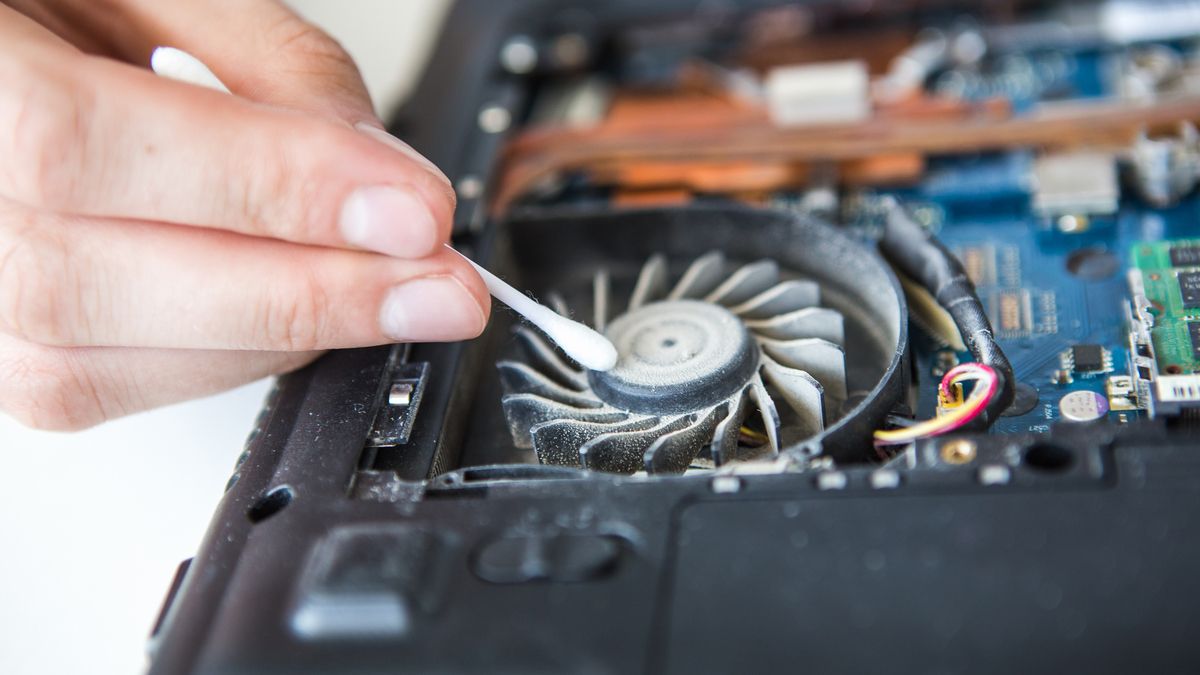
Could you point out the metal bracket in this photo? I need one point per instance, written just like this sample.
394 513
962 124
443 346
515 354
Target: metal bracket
394 420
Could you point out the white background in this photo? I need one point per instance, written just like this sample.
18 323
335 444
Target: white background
92 525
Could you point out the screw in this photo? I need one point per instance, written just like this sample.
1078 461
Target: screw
519 55
958 451
494 119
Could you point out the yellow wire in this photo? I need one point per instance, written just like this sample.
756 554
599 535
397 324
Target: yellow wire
932 426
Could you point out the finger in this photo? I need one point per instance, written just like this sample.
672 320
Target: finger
90 136
96 28
259 48
70 389
70 282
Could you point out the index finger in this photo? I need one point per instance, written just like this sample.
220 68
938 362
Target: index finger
109 140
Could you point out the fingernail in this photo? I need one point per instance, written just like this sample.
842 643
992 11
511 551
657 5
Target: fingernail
389 220
405 149
430 308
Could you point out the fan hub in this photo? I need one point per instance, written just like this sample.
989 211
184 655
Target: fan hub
676 356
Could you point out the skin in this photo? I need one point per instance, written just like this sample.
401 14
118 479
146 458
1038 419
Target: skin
160 241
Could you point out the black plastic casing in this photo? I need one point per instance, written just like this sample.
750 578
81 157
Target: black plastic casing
1072 553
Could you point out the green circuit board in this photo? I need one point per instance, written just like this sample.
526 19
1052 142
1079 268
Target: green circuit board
1170 273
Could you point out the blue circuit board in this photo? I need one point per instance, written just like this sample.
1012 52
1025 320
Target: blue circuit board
1046 290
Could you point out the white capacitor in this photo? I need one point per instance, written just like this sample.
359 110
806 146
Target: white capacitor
1083 406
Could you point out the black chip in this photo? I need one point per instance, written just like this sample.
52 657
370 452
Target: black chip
1088 358
1189 288
1187 255
1194 332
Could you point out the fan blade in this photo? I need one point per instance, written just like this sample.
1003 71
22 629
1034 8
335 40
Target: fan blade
600 295
701 277
651 283
558 441
518 378
673 452
800 391
547 360
724 446
766 408
810 322
622 451
525 411
820 358
788 296
747 282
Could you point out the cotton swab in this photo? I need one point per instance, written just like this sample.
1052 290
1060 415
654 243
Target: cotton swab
586 346
176 64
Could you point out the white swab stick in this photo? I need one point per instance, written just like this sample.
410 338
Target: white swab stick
176 64
588 347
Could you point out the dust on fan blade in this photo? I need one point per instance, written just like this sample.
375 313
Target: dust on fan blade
698 360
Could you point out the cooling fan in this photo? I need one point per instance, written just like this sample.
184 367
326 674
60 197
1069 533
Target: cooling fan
698 360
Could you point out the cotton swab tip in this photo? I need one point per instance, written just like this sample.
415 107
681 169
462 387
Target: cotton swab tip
588 347
176 64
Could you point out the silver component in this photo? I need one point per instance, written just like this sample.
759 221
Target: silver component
394 420
1076 183
885 479
724 485
832 480
1165 168
494 119
1178 389
519 55
401 393
836 92
1083 406
994 474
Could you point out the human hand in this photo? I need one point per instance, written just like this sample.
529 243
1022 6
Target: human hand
160 241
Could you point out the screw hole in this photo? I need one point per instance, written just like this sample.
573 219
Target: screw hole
274 501
1049 457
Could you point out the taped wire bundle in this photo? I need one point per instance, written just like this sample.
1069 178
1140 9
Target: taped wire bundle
955 412
920 256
